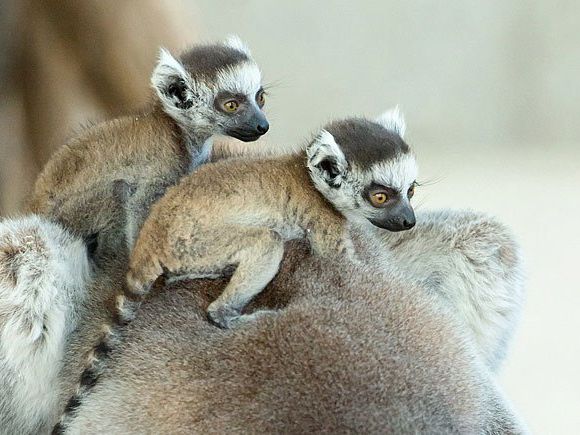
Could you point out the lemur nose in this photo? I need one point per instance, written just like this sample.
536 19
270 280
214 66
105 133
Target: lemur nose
408 224
262 127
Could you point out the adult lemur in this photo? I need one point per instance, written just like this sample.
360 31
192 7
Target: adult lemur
210 89
352 347
311 354
303 366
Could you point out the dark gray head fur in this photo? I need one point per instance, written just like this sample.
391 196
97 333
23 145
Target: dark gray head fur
364 142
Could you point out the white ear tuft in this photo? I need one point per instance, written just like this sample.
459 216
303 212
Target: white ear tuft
173 84
168 65
325 157
235 42
323 146
393 120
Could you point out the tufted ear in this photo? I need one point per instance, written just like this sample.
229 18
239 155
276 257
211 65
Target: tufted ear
326 160
172 83
393 120
234 41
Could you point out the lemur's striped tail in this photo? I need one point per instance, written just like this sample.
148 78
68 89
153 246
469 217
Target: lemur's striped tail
125 308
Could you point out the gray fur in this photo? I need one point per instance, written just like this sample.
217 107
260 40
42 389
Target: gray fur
207 60
473 262
170 331
44 275
357 350
365 142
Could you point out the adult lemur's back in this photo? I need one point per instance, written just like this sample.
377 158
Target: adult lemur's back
353 350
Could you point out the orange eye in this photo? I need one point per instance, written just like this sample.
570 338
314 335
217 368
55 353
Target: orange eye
411 192
261 98
231 106
379 198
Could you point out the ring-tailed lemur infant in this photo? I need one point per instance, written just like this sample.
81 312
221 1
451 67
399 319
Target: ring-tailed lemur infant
209 90
240 213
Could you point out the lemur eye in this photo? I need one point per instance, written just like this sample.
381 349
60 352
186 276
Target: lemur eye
411 191
231 106
261 98
378 198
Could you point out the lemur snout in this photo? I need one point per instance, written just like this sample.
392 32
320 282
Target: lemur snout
252 129
408 224
402 223
262 127
404 220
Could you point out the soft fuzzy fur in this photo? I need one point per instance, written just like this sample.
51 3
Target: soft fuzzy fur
153 148
44 275
354 350
170 330
236 213
473 262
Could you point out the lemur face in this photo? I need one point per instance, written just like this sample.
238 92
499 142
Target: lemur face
366 170
215 89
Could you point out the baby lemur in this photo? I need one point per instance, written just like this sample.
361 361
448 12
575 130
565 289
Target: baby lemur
209 90
240 213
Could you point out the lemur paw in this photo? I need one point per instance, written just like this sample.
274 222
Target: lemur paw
135 285
222 315
228 318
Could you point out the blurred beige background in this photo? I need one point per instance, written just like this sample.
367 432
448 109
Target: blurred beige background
491 91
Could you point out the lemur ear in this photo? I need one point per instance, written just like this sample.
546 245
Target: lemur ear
393 120
172 82
326 159
234 41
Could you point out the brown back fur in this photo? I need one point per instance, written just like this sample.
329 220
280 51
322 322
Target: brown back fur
235 213
352 350
144 148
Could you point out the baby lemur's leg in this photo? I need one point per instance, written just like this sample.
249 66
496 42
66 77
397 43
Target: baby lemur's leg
258 259
257 252
144 269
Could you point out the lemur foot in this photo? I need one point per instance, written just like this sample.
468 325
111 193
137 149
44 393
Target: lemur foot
222 315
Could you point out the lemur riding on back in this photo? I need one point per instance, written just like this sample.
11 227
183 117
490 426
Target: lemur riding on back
209 90
240 213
